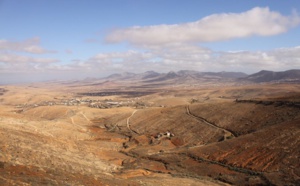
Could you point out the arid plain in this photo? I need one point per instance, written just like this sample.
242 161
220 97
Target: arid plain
111 132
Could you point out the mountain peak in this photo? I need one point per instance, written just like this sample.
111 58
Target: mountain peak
271 76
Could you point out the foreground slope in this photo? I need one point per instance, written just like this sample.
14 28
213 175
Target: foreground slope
48 144
242 135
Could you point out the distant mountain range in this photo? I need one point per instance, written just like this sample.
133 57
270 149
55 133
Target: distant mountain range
183 75
190 76
270 76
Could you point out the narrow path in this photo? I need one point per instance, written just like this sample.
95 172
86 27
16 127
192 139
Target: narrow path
128 124
79 126
227 132
72 120
246 171
87 119
196 146
113 127
231 167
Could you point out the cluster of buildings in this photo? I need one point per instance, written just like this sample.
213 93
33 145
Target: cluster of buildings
102 104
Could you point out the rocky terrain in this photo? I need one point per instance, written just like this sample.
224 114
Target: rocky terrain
60 133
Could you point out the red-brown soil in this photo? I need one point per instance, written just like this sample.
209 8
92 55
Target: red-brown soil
181 136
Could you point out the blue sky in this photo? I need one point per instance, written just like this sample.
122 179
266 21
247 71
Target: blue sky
42 40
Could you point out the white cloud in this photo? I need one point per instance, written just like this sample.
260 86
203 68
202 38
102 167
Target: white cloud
12 62
184 57
217 27
29 46
17 59
195 58
179 57
276 60
20 65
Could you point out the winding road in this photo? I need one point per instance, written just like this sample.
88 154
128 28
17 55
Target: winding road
227 133
128 124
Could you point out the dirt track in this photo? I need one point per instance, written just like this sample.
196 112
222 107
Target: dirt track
128 124
227 133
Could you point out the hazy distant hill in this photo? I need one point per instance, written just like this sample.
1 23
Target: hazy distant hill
125 75
270 76
227 74
188 76
180 76
149 74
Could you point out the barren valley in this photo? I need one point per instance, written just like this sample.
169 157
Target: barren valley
158 131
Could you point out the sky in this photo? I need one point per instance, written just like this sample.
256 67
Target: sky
44 40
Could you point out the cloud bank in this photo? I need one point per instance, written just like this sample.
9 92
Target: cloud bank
175 58
217 27
21 56
197 58
29 45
